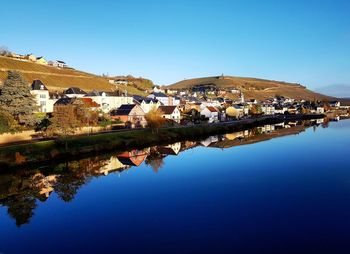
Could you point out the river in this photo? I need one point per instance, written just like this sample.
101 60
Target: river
274 189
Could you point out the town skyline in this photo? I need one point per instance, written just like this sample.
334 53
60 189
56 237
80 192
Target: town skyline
163 42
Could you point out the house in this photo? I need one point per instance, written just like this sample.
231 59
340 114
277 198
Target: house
89 103
109 100
334 104
252 101
176 101
74 92
163 98
170 91
120 81
319 109
42 97
41 60
158 90
147 104
212 113
235 110
57 63
268 109
170 112
64 101
77 101
130 114
279 109
31 57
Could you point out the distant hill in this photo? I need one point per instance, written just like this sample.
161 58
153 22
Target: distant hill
58 79
254 88
340 90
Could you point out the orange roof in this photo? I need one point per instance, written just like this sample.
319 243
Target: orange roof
212 109
89 102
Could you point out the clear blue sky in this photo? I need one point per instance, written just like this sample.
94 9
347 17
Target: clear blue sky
299 41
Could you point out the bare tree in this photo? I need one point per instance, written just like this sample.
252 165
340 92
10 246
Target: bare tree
4 51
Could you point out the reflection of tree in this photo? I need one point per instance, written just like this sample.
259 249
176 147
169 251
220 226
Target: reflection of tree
155 163
67 186
155 160
20 208
325 123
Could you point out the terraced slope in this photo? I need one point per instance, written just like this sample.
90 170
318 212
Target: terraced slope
253 87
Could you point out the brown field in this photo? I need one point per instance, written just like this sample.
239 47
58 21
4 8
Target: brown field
57 79
255 88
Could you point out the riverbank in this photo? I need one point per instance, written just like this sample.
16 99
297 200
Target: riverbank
56 150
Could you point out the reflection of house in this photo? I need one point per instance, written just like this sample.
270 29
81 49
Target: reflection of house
172 149
170 112
133 158
42 97
266 128
113 164
211 140
44 184
130 113
234 135
74 92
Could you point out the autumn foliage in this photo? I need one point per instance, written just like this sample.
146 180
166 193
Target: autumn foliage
154 119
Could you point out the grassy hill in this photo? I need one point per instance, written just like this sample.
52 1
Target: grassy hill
57 79
253 88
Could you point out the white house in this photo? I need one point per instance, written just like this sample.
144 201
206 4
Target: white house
147 104
170 112
280 109
163 98
334 104
319 110
268 109
211 113
109 100
57 63
42 97
74 92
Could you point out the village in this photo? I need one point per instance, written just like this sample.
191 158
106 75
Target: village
74 110
179 107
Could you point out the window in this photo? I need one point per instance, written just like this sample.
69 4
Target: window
42 96
43 103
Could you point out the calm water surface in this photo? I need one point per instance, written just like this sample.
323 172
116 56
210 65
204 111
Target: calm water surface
245 192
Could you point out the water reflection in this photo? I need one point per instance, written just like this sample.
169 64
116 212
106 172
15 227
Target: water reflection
21 191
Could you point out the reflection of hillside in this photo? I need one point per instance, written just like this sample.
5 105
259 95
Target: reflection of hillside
20 190
257 135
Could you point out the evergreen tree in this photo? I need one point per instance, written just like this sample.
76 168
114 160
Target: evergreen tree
16 99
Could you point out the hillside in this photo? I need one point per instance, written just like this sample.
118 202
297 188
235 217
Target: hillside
253 88
58 79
